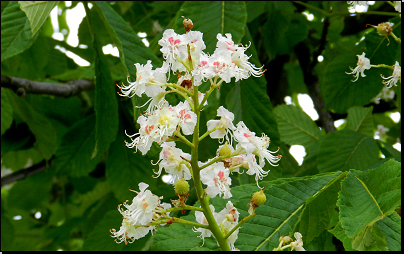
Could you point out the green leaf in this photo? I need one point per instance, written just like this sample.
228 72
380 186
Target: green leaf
41 127
391 227
295 126
339 233
213 17
16 33
345 150
131 48
6 112
279 215
360 119
106 105
367 197
37 12
74 155
318 213
18 159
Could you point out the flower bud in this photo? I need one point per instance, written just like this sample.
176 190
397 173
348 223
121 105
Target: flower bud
225 150
187 24
384 29
259 198
181 187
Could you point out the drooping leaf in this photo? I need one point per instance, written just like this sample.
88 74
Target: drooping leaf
16 35
106 105
295 126
345 150
360 120
367 197
37 12
74 155
40 126
6 112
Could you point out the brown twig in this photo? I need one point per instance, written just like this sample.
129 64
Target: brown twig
23 86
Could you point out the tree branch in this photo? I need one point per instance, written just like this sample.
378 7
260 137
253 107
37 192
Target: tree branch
22 86
308 63
24 173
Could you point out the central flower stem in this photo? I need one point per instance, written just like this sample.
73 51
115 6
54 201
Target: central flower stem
214 228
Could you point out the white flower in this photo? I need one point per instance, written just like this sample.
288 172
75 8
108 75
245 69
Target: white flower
174 49
148 81
386 94
196 45
228 219
217 179
397 6
165 118
187 117
201 219
254 168
381 130
128 233
298 244
393 78
144 139
245 137
363 64
225 123
140 212
357 3
171 160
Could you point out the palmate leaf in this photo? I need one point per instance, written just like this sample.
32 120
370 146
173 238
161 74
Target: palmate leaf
367 197
345 150
213 17
360 119
295 126
37 12
286 199
16 35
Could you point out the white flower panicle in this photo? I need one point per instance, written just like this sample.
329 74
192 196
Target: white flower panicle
363 64
163 123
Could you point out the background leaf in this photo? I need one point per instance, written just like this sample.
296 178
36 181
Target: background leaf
295 126
37 12
345 150
360 120
6 112
16 33
213 17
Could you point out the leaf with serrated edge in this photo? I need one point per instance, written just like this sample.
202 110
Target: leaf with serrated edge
16 33
345 150
295 126
286 199
360 119
369 196
37 12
